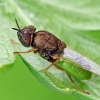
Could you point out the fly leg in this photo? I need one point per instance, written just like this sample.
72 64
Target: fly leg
58 67
31 50
56 58
50 65
14 41
80 89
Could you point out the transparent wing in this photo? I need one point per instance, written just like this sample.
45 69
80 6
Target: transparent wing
79 60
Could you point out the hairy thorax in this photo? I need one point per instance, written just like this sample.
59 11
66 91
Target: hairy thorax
47 44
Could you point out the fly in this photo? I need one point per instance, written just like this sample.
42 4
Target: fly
55 51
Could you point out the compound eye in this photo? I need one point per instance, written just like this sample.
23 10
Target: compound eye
26 38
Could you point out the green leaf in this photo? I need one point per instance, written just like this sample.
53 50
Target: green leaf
6 53
74 22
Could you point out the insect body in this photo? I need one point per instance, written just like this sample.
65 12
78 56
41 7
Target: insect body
43 42
52 49
47 45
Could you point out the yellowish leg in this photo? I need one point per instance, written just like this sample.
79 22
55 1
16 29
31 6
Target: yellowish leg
80 89
51 65
14 41
58 67
31 50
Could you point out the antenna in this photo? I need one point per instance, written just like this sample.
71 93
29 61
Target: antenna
17 25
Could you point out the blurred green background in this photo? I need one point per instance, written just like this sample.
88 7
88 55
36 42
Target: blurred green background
20 84
77 23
